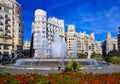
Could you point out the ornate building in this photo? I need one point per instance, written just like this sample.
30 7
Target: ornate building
85 43
11 27
109 44
43 30
119 40
26 45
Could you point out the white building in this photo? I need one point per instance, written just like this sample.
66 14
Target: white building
110 44
43 30
26 45
85 43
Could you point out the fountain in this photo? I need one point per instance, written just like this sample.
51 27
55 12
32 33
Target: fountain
58 48
74 48
58 53
57 57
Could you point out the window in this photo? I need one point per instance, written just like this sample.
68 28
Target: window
6 53
6 22
43 31
6 16
19 30
20 36
0 47
71 31
6 47
114 47
0 8
6 9
6 28
43 36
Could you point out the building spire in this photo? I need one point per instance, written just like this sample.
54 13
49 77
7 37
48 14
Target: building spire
108 35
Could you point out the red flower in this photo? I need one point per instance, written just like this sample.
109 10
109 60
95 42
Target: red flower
27 80
94 81
82 82
112 80
113 73
1 81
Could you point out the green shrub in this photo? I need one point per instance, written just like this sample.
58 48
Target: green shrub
115 60
73 65
113 57
96 56
81 55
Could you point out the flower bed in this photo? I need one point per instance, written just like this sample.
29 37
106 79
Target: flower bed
60 78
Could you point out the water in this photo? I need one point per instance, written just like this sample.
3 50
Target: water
102 64
45 48
58 47
74 48
58 51
57 57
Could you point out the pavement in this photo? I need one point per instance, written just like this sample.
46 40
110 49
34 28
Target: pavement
14 70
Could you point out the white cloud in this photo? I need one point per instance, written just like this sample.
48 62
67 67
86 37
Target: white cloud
57 5
113 17
101 21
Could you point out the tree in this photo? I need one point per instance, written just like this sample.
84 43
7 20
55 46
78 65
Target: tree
96 56
81 55
114 53
113 57
115 60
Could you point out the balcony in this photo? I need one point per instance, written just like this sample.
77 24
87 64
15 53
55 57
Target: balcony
5 36
8 30
7 18
8 25
6 48
6 41
1 17
1 29
1 23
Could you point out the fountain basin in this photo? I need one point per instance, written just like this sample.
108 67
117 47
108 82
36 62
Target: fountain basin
53 62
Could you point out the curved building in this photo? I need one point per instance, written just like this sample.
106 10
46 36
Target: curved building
44 28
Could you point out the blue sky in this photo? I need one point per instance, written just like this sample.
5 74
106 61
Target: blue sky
98 16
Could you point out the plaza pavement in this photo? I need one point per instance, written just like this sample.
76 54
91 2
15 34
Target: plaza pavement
105 69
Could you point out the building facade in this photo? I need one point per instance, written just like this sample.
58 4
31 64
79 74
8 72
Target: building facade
71 38
11 27
85 43
119 40
26 45
43 30
110 44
